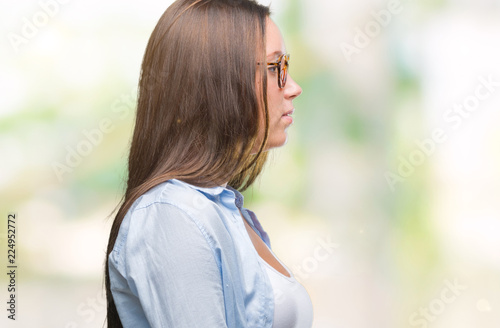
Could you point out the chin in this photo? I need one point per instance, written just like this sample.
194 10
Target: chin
277 141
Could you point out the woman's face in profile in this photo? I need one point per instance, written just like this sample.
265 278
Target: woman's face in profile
279 99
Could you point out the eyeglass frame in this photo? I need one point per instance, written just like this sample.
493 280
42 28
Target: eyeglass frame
282 65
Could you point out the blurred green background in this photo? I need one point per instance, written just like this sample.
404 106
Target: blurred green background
384 203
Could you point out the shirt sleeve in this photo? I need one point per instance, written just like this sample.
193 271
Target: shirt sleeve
172 269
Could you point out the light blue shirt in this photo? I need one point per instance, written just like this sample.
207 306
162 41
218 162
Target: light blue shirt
183 259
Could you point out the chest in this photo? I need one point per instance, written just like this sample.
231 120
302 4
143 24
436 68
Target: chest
263 250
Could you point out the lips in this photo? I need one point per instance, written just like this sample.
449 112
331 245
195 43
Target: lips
287 117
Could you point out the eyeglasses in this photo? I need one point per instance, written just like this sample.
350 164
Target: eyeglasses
282 65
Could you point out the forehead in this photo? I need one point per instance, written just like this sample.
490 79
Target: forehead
275 45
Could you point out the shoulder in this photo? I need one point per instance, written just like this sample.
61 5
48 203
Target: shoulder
170 208
174 193
174 204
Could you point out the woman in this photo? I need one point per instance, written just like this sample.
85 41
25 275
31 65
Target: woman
214 97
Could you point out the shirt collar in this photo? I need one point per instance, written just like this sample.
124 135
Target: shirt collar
214 191
238 199
217 190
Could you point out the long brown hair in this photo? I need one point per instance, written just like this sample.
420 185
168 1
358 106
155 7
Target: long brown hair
198 109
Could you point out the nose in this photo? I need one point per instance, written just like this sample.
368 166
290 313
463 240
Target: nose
292 89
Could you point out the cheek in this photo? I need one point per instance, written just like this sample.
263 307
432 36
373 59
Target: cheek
275 103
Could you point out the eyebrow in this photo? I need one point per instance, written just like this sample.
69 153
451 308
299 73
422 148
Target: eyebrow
275 54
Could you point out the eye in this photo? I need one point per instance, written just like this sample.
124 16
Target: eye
272 69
